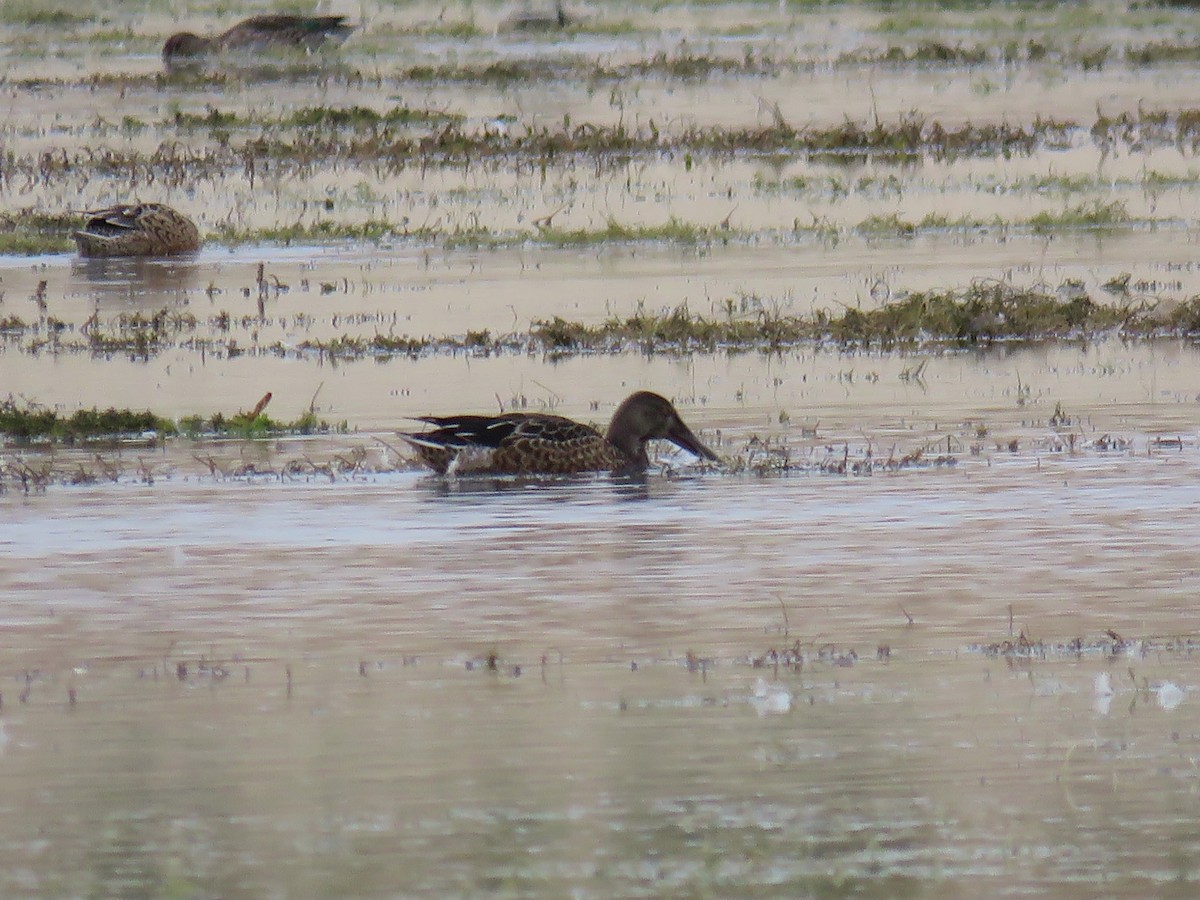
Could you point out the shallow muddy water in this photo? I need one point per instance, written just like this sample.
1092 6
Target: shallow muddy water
297 667
624 741
1109 384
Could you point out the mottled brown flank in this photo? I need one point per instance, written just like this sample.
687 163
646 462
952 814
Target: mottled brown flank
437 458
537 445
530 455
145 229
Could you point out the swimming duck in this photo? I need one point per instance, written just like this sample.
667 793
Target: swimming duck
256 34
143 229
539 444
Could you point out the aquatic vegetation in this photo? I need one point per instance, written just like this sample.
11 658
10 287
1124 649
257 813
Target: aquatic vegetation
889 224
1160 52
1148 128
32 14
36 467
1180 318
28 423
211 118
687 66
354 117
255 424
300 143
29 231
382 35
364 117
673 231
300 150
925 53
1054 184
300 232
1111 644
982 313
1094 214
137 335
496 73
680 65
985 311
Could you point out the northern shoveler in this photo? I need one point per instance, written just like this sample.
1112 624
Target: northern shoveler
143 229
256 34
537 444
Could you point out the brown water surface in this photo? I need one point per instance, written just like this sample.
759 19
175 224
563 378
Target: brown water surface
286 685
241 668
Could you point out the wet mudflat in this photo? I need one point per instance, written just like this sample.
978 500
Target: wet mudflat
928 629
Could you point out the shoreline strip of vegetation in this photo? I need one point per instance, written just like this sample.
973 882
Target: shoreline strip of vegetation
683 64
982 314
29 424
450 143
29 233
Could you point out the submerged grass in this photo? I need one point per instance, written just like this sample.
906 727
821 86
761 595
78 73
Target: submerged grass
296 152
28 233
299 232
303 150
330 118
979 315
682 65
925 53
1095 214
1149 128
673 231
137 335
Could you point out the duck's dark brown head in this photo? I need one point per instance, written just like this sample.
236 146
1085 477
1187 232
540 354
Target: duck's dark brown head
184 49
646 416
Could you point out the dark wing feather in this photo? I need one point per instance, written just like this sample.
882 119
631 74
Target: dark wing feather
469 431
113 221
495 431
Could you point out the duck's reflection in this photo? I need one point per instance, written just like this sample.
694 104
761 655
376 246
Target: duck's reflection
597 488
138 282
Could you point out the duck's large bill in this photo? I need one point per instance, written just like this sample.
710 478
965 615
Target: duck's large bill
681 436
